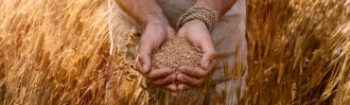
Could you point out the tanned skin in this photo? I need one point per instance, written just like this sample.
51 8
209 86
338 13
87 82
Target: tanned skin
156 30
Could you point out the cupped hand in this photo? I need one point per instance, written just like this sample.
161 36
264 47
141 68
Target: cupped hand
155 33
197 33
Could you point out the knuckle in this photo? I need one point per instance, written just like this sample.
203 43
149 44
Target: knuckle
187 70
169 71
172 78
141 56
212 53
192 73
167 81
180 77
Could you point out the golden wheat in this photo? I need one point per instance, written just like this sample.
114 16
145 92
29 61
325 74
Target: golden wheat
56 52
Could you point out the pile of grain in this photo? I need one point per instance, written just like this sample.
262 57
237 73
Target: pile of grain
55 52
175 52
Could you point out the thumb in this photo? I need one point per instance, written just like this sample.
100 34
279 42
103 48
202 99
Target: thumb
144 57
209 55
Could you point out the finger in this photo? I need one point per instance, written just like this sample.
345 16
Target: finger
139 68
170 33
174 93
183 87
208 59
189 80
159 73
211 66
195 72
164 81
208 53
170 87
144 56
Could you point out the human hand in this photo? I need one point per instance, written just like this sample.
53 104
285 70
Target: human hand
197 33
154 35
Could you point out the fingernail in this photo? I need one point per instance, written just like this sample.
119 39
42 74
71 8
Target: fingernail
206 64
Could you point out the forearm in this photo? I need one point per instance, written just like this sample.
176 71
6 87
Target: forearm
221 6
143 11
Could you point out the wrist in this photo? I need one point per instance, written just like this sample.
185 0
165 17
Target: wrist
208 16
193 25
162 23
151 20
161 26
195 21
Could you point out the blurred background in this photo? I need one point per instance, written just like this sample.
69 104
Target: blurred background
56 52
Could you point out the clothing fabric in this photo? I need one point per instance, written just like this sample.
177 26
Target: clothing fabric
228 38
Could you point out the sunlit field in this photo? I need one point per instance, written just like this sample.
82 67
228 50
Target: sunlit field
55 52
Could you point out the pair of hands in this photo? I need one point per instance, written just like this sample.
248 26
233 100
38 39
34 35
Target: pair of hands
155 33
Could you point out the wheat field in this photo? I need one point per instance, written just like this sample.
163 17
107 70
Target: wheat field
57 52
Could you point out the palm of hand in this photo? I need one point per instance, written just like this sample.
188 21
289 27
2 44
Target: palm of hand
197 33
154 35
